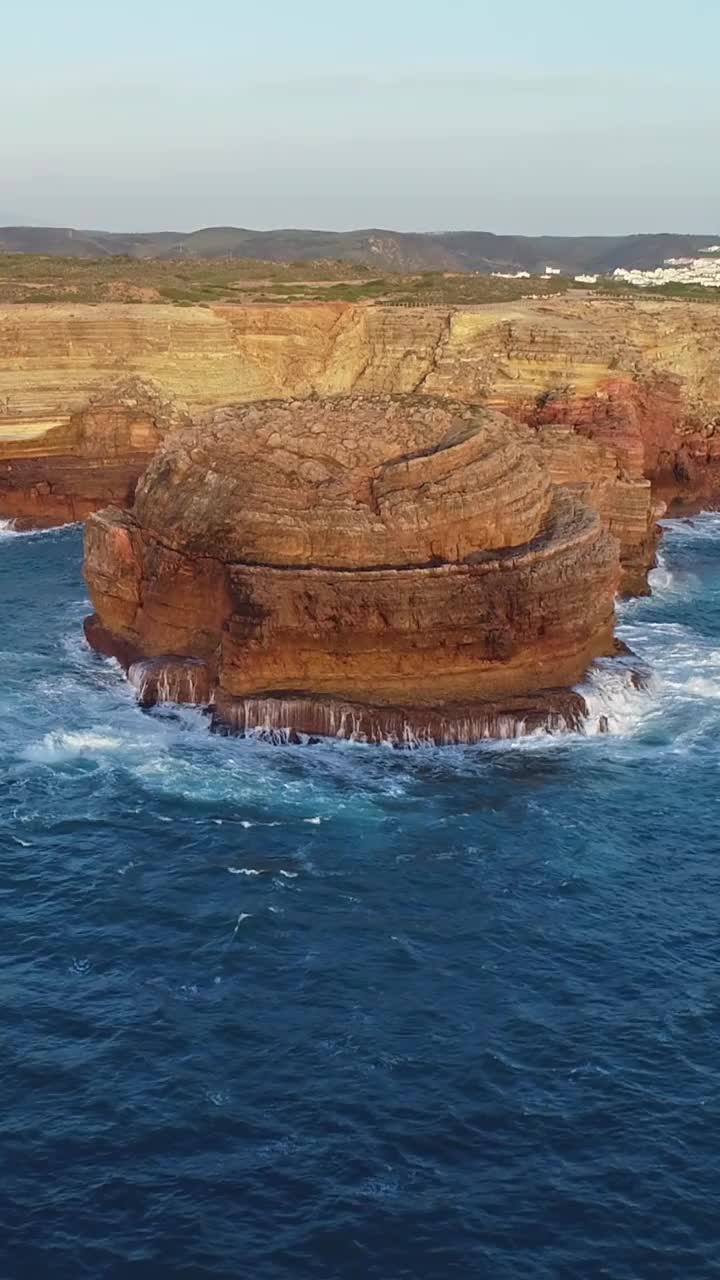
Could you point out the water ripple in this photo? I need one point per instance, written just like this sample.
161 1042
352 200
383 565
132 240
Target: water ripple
337 1011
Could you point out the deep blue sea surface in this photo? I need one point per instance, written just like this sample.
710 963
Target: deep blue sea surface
337 1012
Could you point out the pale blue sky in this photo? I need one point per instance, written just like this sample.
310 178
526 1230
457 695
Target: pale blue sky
535 116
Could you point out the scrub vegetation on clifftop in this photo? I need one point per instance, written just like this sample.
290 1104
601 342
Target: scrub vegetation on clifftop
36 278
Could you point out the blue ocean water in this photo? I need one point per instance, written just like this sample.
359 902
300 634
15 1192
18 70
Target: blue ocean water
342 1011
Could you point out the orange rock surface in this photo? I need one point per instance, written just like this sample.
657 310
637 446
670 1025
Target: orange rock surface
407 556
641 379
592 471
96 457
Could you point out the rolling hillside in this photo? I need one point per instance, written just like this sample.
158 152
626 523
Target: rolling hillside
387 250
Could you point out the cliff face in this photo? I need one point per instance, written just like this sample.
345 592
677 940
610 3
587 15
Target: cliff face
53 359
63 473
642 380
408 562
594 473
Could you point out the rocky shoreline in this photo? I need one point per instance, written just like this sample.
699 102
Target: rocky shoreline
87 393
422 586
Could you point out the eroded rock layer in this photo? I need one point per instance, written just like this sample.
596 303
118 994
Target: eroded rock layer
384 553
641 379
626 503
96 457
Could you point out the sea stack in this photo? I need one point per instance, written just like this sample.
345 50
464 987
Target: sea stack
387 568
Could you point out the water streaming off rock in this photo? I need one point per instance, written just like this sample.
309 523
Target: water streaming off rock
340 1010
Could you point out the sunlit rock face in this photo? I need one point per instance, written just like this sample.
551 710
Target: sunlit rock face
641 379
625 501
382 552
61 474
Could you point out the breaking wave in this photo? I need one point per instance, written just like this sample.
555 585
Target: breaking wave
8 529
619 698
59 745
349 980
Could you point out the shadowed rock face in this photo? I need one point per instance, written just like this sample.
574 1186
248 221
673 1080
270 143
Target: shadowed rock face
406 556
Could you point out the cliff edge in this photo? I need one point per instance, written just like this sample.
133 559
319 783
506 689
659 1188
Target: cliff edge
634 385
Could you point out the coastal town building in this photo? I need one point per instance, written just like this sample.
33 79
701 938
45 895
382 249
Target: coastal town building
703 271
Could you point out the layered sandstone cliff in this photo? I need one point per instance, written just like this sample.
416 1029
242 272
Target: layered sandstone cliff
626 503
657 364
376 567
94 457
639 379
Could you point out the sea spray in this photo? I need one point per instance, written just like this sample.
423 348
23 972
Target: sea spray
497 948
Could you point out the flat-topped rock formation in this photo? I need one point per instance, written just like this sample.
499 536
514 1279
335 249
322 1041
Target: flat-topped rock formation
377 566
641 379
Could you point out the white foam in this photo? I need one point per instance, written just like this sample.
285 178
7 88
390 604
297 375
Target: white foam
244 915
685 664
60 745
662 581
669 584
245 871
703 686
704 527
8 529
615 703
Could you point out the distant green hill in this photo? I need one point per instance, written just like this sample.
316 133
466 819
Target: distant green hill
385 250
